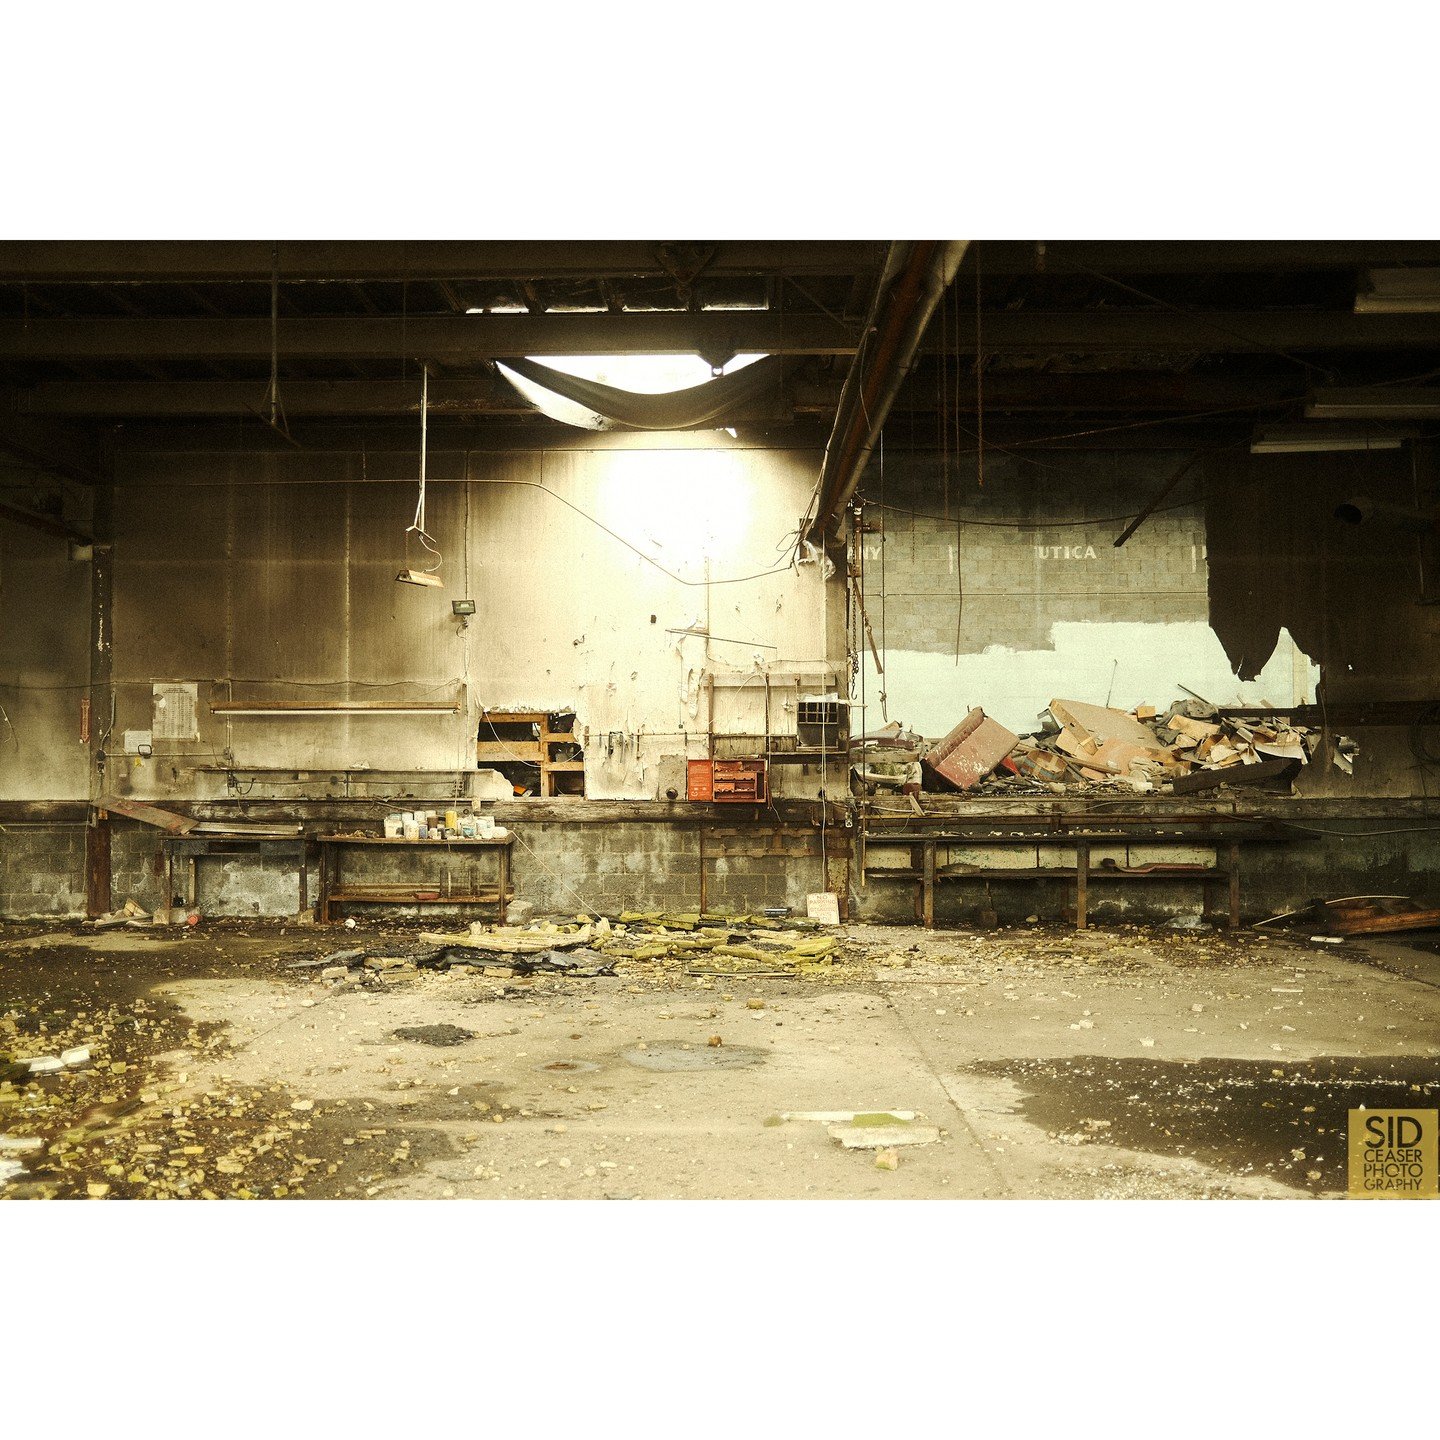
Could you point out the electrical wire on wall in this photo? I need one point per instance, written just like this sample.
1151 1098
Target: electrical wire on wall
430 575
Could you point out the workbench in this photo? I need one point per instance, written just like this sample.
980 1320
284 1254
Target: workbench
335 893
923 836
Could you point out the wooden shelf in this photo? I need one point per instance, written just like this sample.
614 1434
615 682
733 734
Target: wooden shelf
923 872
383 895
1049 872
412 844
335 893
536 751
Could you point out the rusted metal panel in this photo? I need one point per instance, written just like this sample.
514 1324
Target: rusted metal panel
971 750
699 779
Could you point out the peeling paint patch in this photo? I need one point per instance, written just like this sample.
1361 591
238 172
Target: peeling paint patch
1149 663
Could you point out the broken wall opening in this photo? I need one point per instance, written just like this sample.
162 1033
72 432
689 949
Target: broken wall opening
1243 588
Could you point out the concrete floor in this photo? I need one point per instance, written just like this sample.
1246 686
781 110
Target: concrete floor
1116 1064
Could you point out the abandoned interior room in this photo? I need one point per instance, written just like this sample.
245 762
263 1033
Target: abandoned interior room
802 719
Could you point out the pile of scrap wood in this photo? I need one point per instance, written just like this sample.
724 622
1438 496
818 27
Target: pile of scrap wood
1362 915
1191 746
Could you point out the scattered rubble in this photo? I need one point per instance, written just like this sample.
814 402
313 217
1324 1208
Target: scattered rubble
1191 746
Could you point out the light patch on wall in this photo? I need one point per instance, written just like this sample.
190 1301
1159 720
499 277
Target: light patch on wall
691 506
1149 662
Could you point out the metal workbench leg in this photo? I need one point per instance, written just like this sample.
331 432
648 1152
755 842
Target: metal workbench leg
504 881
929 883
1234 884
1082 883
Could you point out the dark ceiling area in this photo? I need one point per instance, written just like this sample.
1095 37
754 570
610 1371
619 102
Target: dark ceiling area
1048 341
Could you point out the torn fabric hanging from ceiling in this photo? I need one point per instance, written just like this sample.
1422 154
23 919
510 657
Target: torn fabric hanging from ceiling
592 406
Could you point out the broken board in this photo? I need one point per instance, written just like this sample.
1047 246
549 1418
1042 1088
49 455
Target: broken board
146 814
1103 724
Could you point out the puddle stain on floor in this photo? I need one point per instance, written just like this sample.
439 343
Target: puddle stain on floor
686 1057
1287 1122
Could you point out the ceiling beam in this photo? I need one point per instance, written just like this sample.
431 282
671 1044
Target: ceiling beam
461 338
105 399
52 446
1120 391
1182 332
446 338
1181 257
1117 391
218 261
47 524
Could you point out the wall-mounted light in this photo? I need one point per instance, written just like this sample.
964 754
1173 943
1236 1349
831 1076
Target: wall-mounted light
1414 291
1377 402
462 607
1317 439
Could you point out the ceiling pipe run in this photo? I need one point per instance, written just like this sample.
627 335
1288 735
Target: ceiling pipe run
916 276
1361 510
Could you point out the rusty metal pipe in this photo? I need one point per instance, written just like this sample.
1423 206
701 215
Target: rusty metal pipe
1362 510
916 275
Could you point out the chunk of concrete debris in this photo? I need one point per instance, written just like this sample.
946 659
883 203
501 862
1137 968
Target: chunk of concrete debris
880 1137
9 1169
887 1159
20 1144
77 1055
852 1117
46 1064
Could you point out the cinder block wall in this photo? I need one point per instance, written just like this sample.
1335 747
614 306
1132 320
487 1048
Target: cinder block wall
558 867
42 871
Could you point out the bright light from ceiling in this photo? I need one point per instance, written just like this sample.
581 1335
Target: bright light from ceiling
642 374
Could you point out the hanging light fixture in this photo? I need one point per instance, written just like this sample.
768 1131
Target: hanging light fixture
429 576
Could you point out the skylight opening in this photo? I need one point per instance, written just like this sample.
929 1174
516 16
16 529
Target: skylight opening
644 374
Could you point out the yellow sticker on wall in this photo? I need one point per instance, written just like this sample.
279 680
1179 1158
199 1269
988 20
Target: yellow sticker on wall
1393 1154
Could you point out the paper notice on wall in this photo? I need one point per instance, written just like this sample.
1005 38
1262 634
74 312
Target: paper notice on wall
176 712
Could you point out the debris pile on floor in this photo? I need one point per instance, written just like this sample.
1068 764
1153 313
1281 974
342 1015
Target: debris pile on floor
1361 915
592 946
1190 747
133 916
